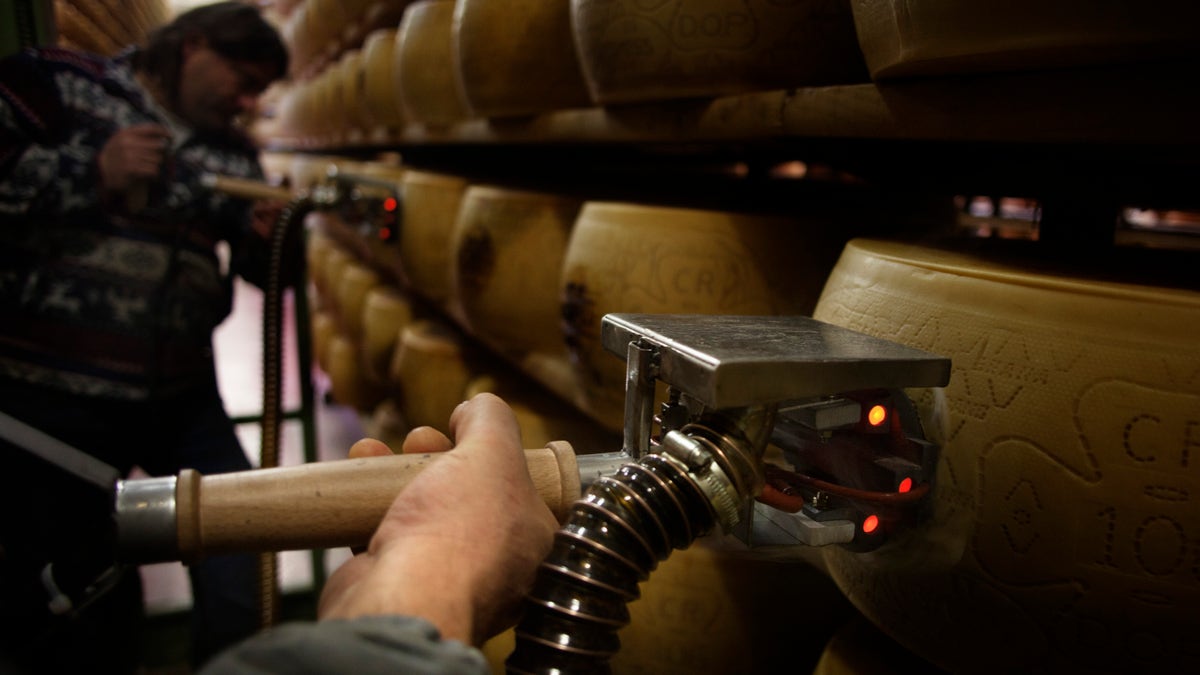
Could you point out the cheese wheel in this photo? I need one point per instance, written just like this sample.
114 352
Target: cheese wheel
543 417
387 424
288 112
430 206
1063 521
381 108
430 372
317 248
508 250
336 261
355 282
530 66
296 112
426 80
355 10
323 327
102 20
860 648
497 649
75 27
327 21
638 51
939 37
386 311
347 382
349 94
354 29
298 36
708 609
635 258
330 110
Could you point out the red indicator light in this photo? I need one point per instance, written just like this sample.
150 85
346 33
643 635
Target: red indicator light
385 233
877 415
905 485
870 524
390 204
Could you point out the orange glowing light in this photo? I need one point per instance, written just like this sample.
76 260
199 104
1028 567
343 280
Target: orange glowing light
870 524
877 415
390 204
905 485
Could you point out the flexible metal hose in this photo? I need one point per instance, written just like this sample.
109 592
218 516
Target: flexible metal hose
622 527
286 227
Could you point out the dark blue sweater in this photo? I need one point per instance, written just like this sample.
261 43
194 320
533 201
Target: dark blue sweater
94 299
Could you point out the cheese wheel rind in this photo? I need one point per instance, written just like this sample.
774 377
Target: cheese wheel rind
1064 496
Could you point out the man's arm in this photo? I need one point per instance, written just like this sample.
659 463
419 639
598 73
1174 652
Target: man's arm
363 646
448 566
51 163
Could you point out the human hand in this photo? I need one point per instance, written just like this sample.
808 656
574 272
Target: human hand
132 156
460 546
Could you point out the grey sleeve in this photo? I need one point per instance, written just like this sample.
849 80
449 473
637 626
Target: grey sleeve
363 646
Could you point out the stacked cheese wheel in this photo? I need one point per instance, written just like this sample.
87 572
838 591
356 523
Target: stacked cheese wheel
430 369
1061 536
902 38
317 31
381 113
712 609
529 66
636 51
640 258
542 416
386 312
430 210
106 26
426 83
507 254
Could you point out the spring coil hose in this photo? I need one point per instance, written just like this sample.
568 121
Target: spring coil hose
615 535
284 231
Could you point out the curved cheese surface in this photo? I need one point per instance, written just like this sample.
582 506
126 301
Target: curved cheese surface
1065 504
508 251
382 107
641 51
426 80
625 257
517 57
939 37
430 210
430 371
385 313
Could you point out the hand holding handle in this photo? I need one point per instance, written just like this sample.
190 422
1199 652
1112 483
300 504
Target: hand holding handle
318 505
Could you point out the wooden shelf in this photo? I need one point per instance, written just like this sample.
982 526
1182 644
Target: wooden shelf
1128 106
1126 132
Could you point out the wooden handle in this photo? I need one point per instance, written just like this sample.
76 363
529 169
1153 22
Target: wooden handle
325 504
246 188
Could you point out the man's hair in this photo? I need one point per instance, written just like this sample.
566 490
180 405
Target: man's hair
235 30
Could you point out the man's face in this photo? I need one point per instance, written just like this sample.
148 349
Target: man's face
214 90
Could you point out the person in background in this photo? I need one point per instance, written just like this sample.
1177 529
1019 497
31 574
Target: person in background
447 567
112 280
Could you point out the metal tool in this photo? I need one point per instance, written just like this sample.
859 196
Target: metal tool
855 468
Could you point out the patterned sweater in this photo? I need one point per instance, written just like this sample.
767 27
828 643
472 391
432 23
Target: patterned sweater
94 300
